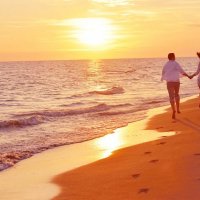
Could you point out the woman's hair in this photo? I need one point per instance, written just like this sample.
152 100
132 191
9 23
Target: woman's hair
198 54
171 56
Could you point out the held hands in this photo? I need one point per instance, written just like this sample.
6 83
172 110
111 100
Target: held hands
191 76
198 54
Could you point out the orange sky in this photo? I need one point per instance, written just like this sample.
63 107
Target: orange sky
81 29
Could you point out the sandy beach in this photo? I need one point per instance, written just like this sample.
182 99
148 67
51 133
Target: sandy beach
162 169
120 165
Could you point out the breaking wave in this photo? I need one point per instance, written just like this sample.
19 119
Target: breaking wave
111 91
38 117
34 120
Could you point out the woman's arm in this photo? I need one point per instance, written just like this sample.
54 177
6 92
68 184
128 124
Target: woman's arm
197 72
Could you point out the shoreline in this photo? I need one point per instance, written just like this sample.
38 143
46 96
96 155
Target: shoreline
164 169
34 178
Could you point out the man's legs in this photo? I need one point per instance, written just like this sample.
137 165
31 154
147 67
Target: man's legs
177 96
170 88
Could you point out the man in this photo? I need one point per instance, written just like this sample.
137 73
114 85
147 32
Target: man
171 73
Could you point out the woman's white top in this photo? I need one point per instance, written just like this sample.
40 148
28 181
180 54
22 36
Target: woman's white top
171 71
198 71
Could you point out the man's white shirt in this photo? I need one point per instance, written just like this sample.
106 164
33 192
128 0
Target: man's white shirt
171 71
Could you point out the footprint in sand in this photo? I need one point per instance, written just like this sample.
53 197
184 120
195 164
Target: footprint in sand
147 152
143 190
160 143
153 161
160 127
135 176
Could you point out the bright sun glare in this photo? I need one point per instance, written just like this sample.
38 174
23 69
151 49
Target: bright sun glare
94 32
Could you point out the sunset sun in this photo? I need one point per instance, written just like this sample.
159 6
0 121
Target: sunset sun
94 37
94 32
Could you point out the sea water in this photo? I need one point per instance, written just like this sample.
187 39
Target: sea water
45 104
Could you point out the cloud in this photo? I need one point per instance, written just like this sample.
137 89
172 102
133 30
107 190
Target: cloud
194 25
79 22
113 3
138 13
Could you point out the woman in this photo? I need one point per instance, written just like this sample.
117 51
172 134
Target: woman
197 73
171 73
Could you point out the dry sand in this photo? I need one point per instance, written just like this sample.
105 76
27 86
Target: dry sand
165 169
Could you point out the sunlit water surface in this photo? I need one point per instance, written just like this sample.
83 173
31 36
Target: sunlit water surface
52 103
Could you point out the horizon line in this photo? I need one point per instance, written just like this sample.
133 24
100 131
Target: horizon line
85 59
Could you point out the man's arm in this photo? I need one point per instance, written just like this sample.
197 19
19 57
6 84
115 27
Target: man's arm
183 72
163 72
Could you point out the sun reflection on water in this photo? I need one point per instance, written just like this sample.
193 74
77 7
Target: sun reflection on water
110 143
95 77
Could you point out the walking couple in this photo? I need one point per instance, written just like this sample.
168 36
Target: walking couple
171 72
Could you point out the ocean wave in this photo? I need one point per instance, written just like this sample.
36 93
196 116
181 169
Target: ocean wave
156 101
72 104
34 120
122 105
9 159
130 71
109 91
121 112
38 117
67 112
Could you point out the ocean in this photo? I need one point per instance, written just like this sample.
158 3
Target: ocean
45 104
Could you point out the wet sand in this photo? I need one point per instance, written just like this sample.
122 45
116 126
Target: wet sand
166 169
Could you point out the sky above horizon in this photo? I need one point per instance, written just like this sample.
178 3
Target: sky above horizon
92 29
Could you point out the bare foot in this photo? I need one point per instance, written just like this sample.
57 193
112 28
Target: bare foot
160 127
135 175
143 190
147 152
153 161
161 143
174 115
